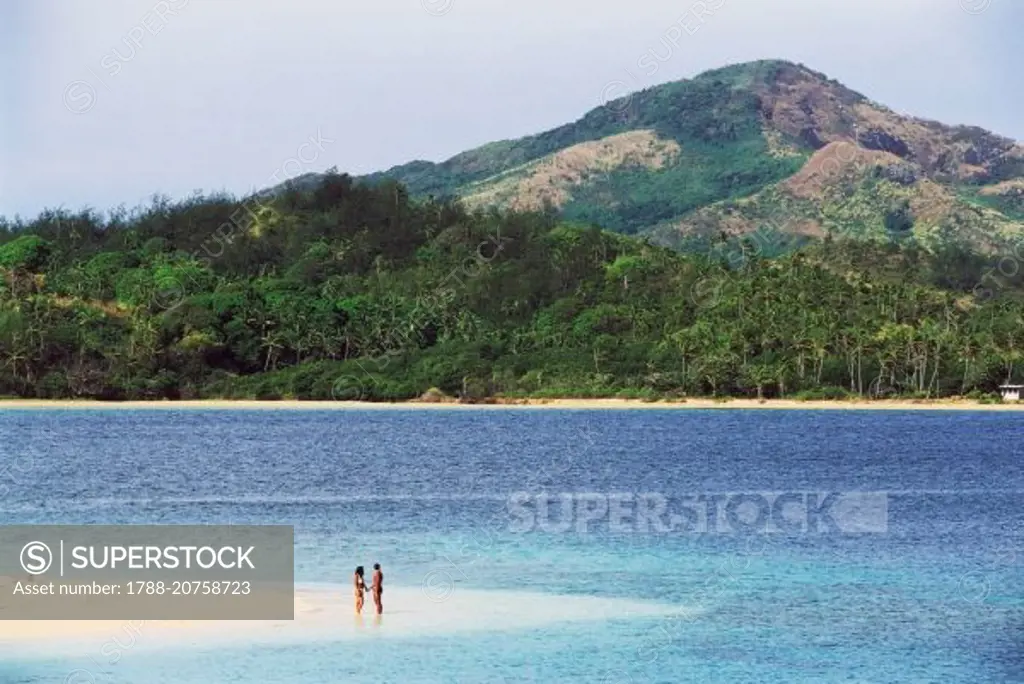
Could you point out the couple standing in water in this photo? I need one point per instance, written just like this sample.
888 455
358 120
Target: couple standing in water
376 588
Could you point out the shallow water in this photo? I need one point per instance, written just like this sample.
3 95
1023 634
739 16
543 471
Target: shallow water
933 596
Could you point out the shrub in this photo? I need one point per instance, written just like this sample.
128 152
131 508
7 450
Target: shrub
828 393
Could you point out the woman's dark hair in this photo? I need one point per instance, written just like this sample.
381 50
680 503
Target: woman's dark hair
359 570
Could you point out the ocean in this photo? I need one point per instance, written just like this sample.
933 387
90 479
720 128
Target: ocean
560 523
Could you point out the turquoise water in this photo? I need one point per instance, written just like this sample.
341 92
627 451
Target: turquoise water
934 596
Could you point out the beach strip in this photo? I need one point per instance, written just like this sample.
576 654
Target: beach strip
504 404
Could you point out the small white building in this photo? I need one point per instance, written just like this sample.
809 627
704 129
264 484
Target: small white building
1011 392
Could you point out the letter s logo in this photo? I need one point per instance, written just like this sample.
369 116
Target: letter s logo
79 97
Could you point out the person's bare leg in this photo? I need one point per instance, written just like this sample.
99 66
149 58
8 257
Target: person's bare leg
378 603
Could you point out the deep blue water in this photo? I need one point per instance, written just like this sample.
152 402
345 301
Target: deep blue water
935 596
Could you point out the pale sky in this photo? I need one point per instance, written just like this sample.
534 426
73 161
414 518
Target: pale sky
109 101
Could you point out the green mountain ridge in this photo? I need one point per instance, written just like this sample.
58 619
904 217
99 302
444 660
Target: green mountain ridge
890 273
744 131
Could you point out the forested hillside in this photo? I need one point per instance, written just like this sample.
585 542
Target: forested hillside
748 146
346 290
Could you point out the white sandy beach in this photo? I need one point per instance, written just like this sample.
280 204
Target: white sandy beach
570 404
326 614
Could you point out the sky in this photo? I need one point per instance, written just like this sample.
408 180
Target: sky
107 103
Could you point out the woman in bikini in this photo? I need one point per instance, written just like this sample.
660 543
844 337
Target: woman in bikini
360 589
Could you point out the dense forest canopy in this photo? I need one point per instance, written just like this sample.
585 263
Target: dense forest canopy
347 290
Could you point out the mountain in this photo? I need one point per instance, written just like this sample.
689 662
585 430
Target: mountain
769 147
358 289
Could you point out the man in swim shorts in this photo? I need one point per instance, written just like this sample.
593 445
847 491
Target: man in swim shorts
377 588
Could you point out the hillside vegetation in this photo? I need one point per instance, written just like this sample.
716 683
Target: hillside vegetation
735 150
347 290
